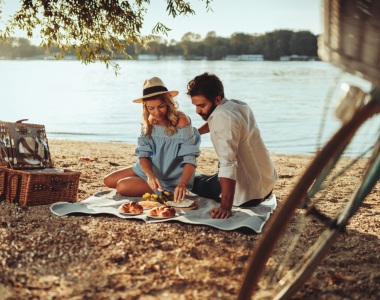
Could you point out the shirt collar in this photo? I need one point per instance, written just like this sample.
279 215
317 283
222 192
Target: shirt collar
224 101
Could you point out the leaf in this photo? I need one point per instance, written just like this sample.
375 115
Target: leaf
92 29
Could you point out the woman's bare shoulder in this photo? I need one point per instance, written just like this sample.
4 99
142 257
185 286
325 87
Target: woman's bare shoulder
183 120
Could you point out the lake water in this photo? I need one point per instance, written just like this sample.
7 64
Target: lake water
90 103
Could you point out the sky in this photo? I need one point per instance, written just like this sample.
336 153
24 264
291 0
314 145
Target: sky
227 17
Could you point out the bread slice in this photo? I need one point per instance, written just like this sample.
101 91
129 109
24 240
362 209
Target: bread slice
151 204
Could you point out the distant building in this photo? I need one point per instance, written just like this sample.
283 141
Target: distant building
38 57
255 57
194 57
70 57
147 57
232 57
294 57
245 57
172 57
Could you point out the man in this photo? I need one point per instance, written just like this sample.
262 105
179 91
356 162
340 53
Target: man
246 174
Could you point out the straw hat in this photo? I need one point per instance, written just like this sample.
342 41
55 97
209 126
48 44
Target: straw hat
153 87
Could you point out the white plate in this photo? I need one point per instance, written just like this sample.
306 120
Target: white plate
160 218
129 214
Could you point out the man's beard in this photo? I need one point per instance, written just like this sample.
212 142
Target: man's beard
206 115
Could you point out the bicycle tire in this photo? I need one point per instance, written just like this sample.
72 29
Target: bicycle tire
367 183
283 216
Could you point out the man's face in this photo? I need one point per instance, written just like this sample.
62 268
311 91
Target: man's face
204 107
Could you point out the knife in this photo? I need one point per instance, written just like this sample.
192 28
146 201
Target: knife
13 149
41 141
47 154
9 150
38 144
3 149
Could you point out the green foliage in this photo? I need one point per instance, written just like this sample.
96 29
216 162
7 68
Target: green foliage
21 47
272 45
94 29
303 43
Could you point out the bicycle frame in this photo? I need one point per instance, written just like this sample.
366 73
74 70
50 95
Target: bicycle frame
296 197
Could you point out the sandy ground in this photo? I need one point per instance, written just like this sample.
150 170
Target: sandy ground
43 256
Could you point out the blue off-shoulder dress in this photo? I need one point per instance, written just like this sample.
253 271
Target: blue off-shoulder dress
169 154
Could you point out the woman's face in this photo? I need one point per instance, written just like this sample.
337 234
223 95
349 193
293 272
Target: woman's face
157 109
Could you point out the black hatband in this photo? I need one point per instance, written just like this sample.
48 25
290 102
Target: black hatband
154 89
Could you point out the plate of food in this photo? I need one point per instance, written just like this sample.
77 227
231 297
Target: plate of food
167 199
131 208
162 212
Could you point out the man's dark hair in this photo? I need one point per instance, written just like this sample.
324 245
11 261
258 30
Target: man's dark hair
207 85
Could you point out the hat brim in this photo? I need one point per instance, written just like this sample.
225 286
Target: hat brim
172 93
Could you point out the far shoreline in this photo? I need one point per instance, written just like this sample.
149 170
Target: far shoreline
54 140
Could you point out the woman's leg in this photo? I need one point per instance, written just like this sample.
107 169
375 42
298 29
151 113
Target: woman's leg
113 178
133 186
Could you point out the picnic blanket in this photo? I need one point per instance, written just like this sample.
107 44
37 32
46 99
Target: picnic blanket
108 202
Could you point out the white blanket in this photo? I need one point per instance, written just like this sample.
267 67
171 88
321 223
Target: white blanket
109 201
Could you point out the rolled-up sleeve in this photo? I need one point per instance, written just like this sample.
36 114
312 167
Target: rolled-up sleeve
144 148
189 149
225 135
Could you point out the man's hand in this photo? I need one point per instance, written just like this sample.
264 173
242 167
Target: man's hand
228 192
220 213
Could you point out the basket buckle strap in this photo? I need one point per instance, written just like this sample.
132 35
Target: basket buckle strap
53 188
33 154
61 187
3 196
17 197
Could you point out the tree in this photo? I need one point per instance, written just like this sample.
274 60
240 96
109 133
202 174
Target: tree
257 47
219 52
303 43
276 44
20 47
189 41
95 29
240 43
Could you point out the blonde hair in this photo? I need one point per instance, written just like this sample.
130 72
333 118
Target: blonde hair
171 118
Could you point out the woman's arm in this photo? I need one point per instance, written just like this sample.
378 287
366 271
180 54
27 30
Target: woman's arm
204 129
153 181
181 190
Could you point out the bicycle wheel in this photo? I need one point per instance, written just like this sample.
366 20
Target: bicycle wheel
320 166
312 259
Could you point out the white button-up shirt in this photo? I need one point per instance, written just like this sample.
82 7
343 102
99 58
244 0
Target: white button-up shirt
242 154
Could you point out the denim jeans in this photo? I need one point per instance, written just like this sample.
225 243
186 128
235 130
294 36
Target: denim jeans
208 186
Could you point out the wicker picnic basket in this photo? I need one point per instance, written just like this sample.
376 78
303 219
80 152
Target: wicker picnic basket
27 175
14 134
35 187
351 39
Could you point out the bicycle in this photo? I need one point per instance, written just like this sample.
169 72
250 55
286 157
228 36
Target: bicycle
279 277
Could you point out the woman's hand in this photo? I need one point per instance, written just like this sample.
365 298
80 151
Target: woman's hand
154 183
180 192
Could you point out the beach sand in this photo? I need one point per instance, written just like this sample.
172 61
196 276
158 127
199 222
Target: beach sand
43 256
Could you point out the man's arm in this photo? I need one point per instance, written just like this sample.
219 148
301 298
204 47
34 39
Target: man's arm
226 136
228 192
204 129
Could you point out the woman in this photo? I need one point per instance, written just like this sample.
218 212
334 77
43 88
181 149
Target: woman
167 148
